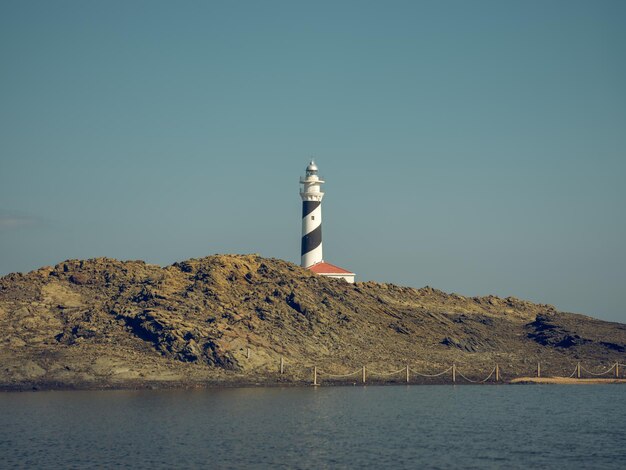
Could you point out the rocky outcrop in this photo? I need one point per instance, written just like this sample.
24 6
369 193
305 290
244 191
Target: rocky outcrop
229 319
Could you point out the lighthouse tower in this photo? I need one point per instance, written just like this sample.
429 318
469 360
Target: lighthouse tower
311 194
311 252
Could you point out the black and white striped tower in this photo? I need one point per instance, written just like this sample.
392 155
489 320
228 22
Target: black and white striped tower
311 194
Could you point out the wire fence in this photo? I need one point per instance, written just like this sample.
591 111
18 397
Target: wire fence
452 374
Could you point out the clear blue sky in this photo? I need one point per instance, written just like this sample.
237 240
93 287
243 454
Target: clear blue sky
475 146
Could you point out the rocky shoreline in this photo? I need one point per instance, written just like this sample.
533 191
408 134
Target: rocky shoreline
227 320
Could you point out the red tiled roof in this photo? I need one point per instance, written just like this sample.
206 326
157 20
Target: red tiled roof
327 268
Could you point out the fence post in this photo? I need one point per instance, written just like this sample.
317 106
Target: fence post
497 373
407 373
363 374
617 370
578 370
282 365
539 369
315 375
247 353
453 373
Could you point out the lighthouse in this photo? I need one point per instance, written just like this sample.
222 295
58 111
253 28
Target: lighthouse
312 195
311 250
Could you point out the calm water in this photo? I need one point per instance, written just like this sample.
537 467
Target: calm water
338 427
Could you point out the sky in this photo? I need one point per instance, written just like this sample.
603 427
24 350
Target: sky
476 147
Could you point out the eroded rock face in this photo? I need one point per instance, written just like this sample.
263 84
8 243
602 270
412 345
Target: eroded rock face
105 322
569 331
547 333
175 340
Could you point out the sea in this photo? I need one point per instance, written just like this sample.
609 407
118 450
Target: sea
439 426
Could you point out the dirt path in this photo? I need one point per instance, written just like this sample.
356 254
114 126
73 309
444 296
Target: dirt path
564 380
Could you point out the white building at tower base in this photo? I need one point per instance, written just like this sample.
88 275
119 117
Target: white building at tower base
330 270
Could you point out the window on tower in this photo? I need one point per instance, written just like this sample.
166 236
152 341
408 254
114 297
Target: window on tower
312 217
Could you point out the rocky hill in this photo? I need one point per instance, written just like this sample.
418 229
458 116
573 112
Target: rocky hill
229 319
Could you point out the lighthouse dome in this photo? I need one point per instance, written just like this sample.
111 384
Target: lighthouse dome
312 167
